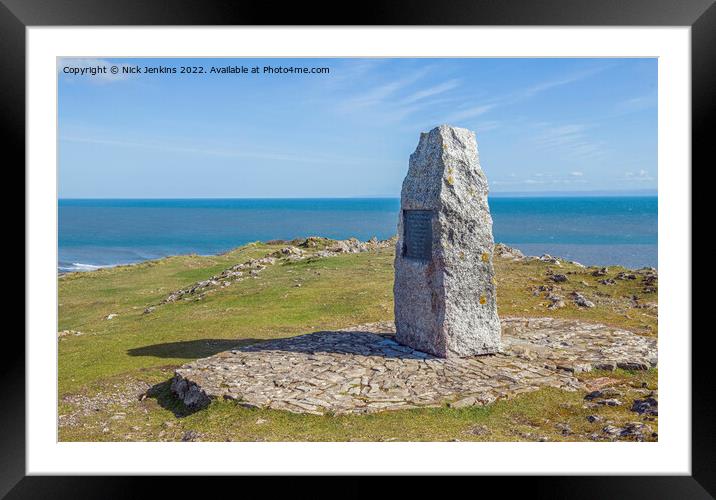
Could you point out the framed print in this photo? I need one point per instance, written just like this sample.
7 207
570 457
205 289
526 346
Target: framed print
450 240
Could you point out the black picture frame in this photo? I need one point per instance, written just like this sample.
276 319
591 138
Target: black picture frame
700 15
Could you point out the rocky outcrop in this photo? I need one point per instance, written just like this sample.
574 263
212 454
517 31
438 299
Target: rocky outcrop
505 252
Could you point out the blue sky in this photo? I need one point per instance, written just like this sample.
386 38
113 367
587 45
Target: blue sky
543 125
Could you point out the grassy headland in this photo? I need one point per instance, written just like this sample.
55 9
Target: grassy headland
113 372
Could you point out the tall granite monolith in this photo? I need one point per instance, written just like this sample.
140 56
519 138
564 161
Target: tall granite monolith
444 289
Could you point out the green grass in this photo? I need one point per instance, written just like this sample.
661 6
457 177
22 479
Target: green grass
335 292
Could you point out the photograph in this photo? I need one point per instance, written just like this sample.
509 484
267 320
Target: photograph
372 249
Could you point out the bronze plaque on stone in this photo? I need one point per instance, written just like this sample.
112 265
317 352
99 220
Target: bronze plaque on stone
418 234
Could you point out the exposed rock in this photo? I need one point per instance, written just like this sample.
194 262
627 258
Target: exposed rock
549 259
444 290
600 382
503 251
607 392
479 430
610 402
593 395
565 429
557 301
558 278
607 282
289 251
65 333
601 271
121 395
626 276
464 402
190 436
635 430
542 288
112 316
189 393
581 300
648 406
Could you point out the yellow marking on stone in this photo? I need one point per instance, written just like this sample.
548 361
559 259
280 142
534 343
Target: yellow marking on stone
462 255
485 257
483 299
450 180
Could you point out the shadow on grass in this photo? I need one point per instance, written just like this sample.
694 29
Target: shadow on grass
349 343
191 349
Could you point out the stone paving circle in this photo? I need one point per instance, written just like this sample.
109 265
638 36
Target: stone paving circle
362 369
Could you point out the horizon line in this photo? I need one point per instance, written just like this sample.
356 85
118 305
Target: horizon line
522 194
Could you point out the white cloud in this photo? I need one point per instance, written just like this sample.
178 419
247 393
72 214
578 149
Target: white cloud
638 103
641 175
576 174
431 91
520 95
209 151
558 82
378 95
469 113
569 140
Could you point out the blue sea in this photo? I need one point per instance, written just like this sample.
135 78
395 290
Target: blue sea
590 230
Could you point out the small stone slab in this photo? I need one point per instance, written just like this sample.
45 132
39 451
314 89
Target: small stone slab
363 369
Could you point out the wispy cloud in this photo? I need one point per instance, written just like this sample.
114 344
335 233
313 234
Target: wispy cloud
638 103
209 151
640 175
558 82
569 140
471 112
431 91
478 109
378 94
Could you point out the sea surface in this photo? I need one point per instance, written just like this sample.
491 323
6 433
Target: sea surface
591 230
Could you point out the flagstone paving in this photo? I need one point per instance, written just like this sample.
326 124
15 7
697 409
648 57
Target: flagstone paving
362 369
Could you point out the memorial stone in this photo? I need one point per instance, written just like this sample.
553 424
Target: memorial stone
445 302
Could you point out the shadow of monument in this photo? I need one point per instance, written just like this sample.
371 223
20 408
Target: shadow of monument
190 349
349 343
